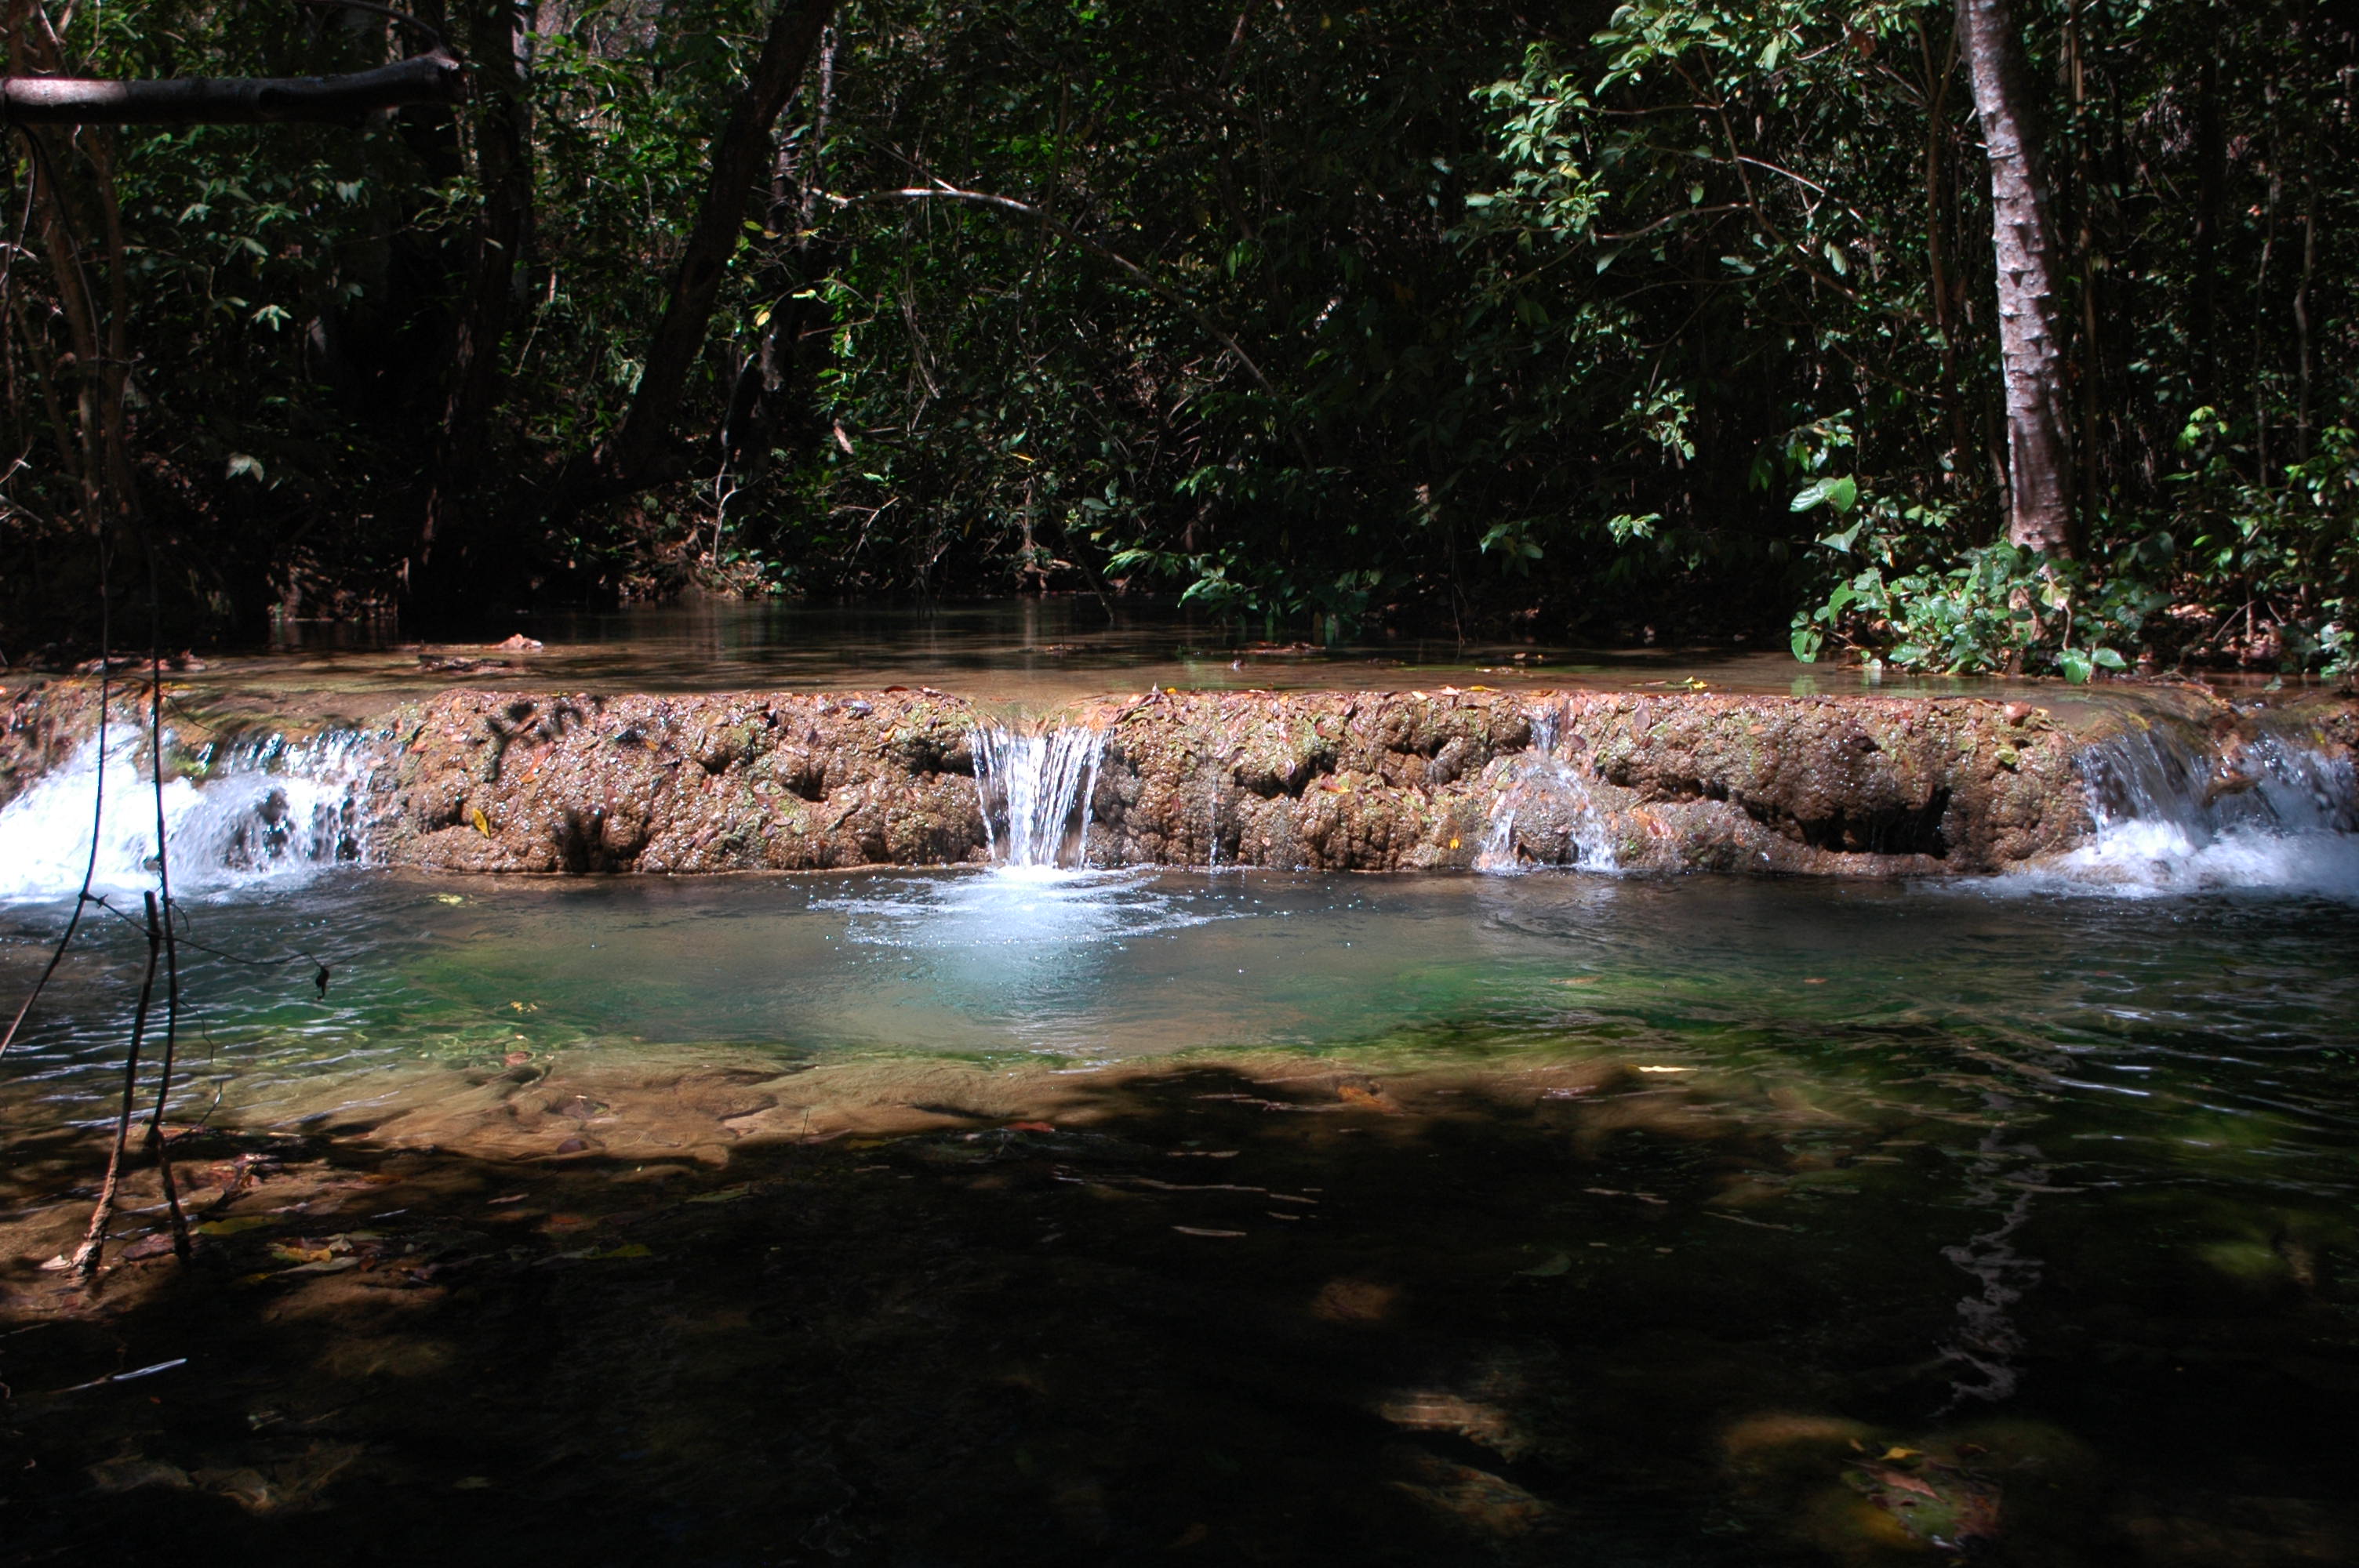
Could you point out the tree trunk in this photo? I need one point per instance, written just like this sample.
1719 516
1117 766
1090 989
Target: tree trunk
502 240
742 157
2038 446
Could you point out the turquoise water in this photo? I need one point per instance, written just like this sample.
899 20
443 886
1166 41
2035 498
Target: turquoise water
2238 1011
1707 1192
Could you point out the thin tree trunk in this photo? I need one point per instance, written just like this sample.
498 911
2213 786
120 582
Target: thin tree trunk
2210 175
742 156
2084 260
2301 318
2038 444
503 235
1937 205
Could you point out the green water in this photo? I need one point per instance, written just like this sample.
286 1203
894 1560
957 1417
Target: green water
1752 1177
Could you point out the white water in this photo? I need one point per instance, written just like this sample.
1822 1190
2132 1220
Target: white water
266 811
1035 792
2271 815
1539 783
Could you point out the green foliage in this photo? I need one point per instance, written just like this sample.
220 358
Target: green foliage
1321 320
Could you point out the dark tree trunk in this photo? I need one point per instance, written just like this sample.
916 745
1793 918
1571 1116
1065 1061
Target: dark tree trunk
2210 175
742 158
452 543
2038 444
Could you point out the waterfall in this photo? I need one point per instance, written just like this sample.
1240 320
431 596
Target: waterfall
1035 792
2174 815
259 809
1544 793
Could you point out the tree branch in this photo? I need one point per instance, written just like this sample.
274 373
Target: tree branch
227 100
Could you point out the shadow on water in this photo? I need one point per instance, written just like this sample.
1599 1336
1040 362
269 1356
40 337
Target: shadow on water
1274 1310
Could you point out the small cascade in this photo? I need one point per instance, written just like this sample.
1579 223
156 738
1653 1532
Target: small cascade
1542 790
2174 815
262 809
1036 790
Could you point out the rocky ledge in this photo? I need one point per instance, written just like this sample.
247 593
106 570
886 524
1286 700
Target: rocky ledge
514 782
1327 780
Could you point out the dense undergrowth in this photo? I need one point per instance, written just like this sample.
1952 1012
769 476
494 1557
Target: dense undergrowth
1651 320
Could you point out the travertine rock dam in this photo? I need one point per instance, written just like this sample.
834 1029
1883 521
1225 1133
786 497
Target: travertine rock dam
534 782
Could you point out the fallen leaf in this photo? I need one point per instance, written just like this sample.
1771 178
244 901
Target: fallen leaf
236 1223
325 1266
1200 1230
1558 1263
482 824
1031 1126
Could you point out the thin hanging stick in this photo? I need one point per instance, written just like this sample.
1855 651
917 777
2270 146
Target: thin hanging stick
86 1257
156 1142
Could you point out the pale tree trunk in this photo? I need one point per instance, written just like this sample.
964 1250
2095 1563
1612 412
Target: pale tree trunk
2038 444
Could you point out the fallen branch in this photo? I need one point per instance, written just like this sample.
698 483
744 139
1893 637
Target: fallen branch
431 78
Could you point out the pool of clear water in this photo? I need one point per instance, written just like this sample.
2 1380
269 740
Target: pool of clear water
2216 1034
1707 1192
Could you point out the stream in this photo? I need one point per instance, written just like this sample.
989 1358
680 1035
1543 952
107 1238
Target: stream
1616 1218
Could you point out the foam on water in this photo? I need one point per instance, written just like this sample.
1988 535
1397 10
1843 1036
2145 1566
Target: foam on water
266 811
2269 814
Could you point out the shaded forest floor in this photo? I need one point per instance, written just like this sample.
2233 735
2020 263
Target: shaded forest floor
1208 1314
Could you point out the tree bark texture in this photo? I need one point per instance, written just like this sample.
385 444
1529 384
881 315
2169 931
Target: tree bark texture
502 242
2031 353
740 162
226 101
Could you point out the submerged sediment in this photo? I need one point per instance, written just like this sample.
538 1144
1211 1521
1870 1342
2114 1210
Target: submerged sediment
515 781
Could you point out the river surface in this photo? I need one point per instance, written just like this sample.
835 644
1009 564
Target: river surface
1678 1220
1025 653
2037 1183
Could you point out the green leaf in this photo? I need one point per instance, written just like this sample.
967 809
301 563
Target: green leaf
2076 666
1842 493
2106 658
1807 641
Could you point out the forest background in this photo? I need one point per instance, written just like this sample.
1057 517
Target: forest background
1582 323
